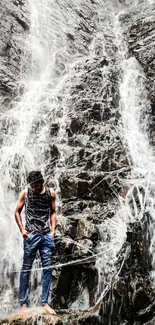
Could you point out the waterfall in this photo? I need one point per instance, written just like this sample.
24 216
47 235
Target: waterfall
134 107
26 130
135 111
63 37
47 71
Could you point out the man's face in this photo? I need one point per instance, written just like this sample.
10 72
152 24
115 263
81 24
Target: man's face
37 187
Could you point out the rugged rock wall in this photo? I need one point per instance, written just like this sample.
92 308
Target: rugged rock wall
14 24
133 294
93 172
131 300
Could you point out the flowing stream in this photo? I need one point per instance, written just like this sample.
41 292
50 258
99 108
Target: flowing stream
49 68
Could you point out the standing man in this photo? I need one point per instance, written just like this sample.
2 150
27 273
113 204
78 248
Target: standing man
38 234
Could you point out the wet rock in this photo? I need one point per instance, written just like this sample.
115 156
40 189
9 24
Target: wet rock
34 315
76 126
133 290
152 322
73 208
139 28
80 228
92 319
54 129
103 62
107 146
67 317
54 152
96 112
14 26
68 187
83 188
98 187
146 313
71 227
140 299
74 317
76 287
90 210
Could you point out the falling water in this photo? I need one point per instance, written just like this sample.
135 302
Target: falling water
135 108
47 71
135 111
51 61
26 144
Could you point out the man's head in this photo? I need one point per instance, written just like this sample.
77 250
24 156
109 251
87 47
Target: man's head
36 181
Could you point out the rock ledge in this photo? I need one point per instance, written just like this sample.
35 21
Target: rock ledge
34 316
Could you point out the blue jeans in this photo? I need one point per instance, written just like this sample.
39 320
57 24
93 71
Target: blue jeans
45 245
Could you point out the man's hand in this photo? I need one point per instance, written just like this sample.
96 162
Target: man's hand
25 233
53 233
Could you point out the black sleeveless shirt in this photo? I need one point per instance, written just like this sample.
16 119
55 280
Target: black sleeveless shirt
37 211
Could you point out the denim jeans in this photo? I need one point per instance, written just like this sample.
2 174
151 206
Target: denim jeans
45 245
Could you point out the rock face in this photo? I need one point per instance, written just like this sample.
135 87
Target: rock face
93 170
98 151
132 293
14 27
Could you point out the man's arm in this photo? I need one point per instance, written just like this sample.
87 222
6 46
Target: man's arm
53 219
19 207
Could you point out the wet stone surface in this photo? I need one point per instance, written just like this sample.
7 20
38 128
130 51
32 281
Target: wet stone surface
139 26
37 316
14 27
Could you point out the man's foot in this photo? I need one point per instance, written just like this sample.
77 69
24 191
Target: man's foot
49 309
23 310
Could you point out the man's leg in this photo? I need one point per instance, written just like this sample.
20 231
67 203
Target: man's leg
30 249
46 252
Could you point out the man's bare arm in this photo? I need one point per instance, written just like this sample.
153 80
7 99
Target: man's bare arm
53 219
19 207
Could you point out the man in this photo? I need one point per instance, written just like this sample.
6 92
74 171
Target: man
38 234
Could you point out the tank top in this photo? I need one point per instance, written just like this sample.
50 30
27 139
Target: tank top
37 211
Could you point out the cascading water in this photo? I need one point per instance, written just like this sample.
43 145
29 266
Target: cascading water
26 145
54 61
134 108
46 74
